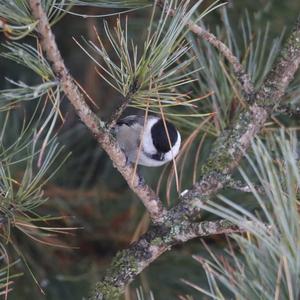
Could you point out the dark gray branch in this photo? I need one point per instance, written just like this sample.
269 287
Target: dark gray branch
118 112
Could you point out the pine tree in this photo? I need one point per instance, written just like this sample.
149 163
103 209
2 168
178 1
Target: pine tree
233 94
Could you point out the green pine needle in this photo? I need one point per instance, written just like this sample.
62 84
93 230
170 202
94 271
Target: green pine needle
268 265
152 78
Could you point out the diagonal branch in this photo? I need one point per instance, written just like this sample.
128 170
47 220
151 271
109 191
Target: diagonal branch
103 136
118 112
244 187
227 152
282 72
241 75
130 262
233 143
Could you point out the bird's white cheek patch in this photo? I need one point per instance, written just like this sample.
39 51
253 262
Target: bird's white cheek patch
174 151
148 162
148 145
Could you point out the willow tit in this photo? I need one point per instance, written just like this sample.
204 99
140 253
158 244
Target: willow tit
156 150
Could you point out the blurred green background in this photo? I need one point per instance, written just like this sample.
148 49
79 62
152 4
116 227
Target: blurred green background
92 195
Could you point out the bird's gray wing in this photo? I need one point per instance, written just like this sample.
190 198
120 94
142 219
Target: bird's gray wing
131 120
128 131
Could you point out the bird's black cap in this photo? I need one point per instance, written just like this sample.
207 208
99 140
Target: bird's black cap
160 138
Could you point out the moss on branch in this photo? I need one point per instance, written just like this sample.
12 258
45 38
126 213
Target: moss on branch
128 263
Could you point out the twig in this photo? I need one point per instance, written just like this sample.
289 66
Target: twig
282 73
118 112
243 187
240 73
291 110
103 136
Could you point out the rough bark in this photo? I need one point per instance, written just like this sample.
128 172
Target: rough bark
89 118
158 239
227 152
176 225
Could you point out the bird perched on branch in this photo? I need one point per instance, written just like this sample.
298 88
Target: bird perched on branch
158 140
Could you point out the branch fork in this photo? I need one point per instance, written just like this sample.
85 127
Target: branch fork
175 225
89 118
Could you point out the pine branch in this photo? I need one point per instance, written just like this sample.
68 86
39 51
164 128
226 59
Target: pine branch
128 263
239 70
291 110
118 112
96 126
244 187
226 154
282 72
263 255
233 143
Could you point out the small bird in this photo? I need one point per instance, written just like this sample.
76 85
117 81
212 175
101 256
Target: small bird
156 149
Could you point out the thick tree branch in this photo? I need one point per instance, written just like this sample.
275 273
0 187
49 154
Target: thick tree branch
128 263
241 75
103 136
282 72
233 143
227 152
